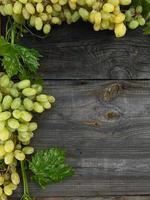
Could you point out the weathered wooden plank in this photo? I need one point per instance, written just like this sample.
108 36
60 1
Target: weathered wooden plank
101 198
105 127
77 52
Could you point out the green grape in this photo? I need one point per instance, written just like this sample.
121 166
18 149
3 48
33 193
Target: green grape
72 5
23 127
30 8
25 13
125 2
108 7
8 9
128 15
26 116
18 147
28 104
13 123
1 97
4 81
2 153
4 134
28 150
139 9
81 2
8 190
15 178
6 176
46 105
46 28
8 159
9 146
23 84
32 126
90 2
1 179
39 7
32 20
18 19
13 186
84 13
49 9
5 115
38 107
38 26
133 24
17 8
1 191
57 7
16 103
119 18
23 1
42 98
141 21
29 91
51 99
63 2
2 124
97 18
43 16
16 114
96 27
55 20
75 16
3 197
105 24
14 92
114 2
19 155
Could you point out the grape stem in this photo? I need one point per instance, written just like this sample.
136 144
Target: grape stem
26 194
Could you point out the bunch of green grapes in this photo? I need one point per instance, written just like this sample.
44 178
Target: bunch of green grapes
134 17
17 102
103 14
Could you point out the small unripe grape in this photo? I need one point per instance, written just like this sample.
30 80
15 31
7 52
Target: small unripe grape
19 155
1 179
38 107
2 151
28 150
8 9
46 28
13 123
24 84
96 27
6 103
113 2
51 99
125 2
16 104
38 23
32 126
39 7
120 30
119 18
4 81
29 91
133 24
14 92
5 115
26 116
30 8
25 13
141 21
16 114
49 9
8 159
84 13
15 178
9 146
17 7
28 104
46 105
4 134
108 7
139 9
32 20
8 190
97 18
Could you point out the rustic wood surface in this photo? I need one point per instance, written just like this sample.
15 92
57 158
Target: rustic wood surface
77 52
105 127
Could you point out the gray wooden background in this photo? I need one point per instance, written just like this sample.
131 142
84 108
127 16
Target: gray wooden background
101 116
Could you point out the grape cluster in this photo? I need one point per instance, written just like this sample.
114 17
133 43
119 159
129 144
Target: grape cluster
41 14
17 102
134 17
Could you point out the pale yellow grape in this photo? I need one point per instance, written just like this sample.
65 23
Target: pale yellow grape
32 20
19 155
24 83
49 9
16 114
16 103
18 147
63 2
28 104
90 2
57 7
8 9
46 28
81 2
120 30
3 197
23 1
51 99
17 8
8 190
37 1
42 97
72 5
4 134
2 179
84 13
105 24
1 191
2 124
14 92
31 91
97 5
125 2
13 123
54 1
38 26
4 81
26 116
39 7
1 97
25 13
28 150
113 2
92 16
97 18
108 7
8 158
13 186
55 20
96 27
23 127
119 18
9 146
30 8
15 178
38 107
6 103
2 150
46 105
43 16
117 10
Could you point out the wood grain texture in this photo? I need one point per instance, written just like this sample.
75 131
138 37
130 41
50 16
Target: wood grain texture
77 52
100 198
105 127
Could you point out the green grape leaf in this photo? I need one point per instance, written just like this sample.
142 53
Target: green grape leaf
48 166
18 60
